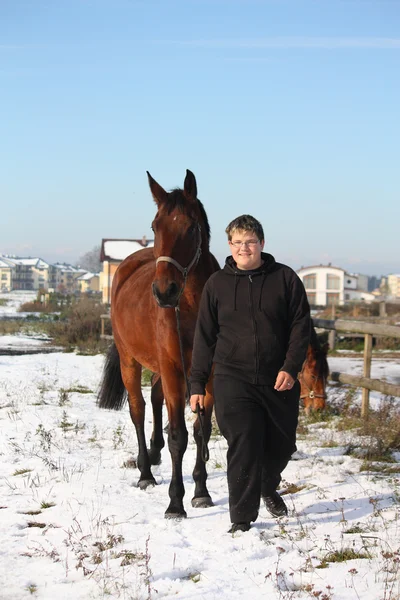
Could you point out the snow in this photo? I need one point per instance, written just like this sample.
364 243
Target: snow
120 249
73 524
102 537
13 302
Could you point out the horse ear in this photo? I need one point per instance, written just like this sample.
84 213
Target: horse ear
159 194
190 186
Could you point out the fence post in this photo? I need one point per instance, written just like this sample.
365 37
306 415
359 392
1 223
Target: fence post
332 339
367 373
102 325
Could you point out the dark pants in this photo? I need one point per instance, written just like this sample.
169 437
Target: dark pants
259 425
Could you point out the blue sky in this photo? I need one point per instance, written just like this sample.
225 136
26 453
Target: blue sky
284 109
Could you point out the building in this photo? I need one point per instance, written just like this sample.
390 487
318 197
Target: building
89 282
393 285
63 278
327 285
6 274
29 273
112 253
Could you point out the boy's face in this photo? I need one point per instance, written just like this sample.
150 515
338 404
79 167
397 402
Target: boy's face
246 249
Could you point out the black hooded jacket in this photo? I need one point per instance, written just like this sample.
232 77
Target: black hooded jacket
251 324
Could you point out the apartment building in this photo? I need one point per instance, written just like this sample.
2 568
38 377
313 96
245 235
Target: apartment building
327 285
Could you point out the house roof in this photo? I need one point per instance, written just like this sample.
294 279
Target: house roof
87 276
321 267
39 263
65 267
119 249
6 263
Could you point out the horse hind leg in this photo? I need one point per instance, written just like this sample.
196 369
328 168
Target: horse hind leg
131 376
157 439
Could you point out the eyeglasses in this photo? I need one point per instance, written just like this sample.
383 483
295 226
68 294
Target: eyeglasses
249 243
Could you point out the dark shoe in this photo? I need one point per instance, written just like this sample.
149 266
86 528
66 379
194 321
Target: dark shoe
239 527
275 505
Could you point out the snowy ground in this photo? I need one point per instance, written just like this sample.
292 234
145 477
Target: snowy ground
73 524
13 302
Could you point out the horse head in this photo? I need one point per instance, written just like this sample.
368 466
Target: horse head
180 231
314 375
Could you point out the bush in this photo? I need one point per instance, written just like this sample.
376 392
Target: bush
79 326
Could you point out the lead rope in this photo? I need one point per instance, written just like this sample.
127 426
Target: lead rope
205 455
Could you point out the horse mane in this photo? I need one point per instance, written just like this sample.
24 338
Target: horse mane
177 199
319 355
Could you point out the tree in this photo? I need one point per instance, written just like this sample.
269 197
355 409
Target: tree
91 260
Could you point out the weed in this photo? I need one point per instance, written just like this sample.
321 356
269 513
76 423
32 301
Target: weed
45 504
63 397
118 437
292 488
146 377
111 541
379 468
355 529
195 577
22 471
31 588
129 557
129 464
36 524
343 555
64 423
93 437
45 438
79 389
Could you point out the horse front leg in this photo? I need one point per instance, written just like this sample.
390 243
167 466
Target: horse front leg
177 442
202 498
157 439
131 376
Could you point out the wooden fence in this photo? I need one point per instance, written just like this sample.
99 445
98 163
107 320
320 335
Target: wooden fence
365 382
105 336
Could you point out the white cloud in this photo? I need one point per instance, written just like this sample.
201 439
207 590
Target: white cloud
328 43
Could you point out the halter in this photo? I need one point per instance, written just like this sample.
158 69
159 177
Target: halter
311 394
193 262
185 272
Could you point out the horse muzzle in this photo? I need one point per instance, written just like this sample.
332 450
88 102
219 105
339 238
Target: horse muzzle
168 298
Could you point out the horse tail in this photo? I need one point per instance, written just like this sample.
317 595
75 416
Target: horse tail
112 392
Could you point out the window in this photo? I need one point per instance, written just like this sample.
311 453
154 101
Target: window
3 276
311 298
332 299
347 296
332 282
310 281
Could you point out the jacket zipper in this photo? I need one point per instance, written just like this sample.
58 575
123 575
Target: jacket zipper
254 328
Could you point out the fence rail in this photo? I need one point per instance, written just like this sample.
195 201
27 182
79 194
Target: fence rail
369 330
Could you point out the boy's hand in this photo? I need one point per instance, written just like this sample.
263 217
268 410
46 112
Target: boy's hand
197 399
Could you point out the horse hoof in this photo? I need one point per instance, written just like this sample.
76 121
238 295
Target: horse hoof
204 502
177 516
146 483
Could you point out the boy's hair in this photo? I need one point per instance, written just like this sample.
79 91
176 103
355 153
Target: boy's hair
245 223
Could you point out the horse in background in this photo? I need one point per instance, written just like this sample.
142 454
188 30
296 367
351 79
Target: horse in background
154 304
313 375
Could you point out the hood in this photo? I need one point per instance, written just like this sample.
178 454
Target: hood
231 269
267 266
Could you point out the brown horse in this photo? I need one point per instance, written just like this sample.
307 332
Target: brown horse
154 305
313 375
